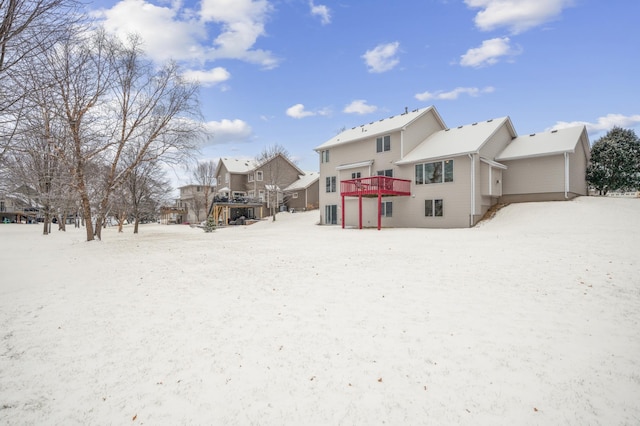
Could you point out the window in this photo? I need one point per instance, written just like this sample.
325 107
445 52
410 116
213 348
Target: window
226 177
387 173
324 156
433 208
250 177
261 195
436 172
259 175
252 194
386 209
331 214
198 189
383 143
355 175
294 195
331 183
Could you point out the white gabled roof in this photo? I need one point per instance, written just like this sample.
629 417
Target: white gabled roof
379 127
456 141
238 165
304 181
543 144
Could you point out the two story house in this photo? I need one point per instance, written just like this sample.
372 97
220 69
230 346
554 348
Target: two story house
251 190
194 201
411 170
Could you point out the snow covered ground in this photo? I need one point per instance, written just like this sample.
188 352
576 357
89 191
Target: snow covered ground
532 318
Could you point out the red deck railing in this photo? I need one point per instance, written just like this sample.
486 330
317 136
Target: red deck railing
373 186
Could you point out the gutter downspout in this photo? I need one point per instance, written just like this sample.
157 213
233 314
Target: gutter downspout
473 189
566 175
402 142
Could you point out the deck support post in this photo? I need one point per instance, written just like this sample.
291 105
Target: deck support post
379 210
360 211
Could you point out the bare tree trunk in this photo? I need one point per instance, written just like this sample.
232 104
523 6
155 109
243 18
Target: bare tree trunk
121 218
62 222
47 218
135 226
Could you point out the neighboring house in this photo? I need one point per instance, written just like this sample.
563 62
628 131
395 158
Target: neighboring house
304 193
19 206
249 190
411 170
194 201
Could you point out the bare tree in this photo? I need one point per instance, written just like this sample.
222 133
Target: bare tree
276 175
204 175
146 187
27 29
115 104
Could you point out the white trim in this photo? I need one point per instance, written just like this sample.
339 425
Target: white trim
354 165
493 163
566 175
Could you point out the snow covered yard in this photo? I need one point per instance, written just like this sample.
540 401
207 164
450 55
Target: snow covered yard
532 318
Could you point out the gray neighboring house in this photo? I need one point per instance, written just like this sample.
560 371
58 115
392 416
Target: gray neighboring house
411 170
304 193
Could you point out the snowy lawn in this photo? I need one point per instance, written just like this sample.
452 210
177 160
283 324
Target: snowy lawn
532 318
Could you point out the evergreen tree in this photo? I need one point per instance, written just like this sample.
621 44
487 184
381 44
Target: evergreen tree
210 225
615 162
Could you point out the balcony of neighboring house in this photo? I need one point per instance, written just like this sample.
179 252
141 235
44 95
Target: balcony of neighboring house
373 186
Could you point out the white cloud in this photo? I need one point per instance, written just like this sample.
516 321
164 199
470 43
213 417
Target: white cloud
516 15
208 78
226 131
359 106
454 94
603 123
219 29
298 111
382 58
488 53
322 11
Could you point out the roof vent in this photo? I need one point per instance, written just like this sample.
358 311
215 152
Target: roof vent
554 131
447 129
352 128
532 134
474 124
489 121
459 127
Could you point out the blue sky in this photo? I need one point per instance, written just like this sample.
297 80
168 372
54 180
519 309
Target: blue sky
295 72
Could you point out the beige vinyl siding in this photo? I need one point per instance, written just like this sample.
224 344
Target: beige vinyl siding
534 175
578 171
490 180
496 143
418 131
455 195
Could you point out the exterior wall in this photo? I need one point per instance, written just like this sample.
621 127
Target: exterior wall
410 211
578 171
307 198
528 179
419 130
496 143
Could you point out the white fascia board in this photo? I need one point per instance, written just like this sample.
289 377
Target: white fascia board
354 165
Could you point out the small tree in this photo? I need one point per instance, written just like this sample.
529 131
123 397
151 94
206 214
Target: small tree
210 226
615 162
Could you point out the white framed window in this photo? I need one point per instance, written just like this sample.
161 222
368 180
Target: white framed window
324 156
331 184
387 173
250 177
356 175
227 176
383 143
252 194
435 172
261 195
433 208
294 195
386 209
259 175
